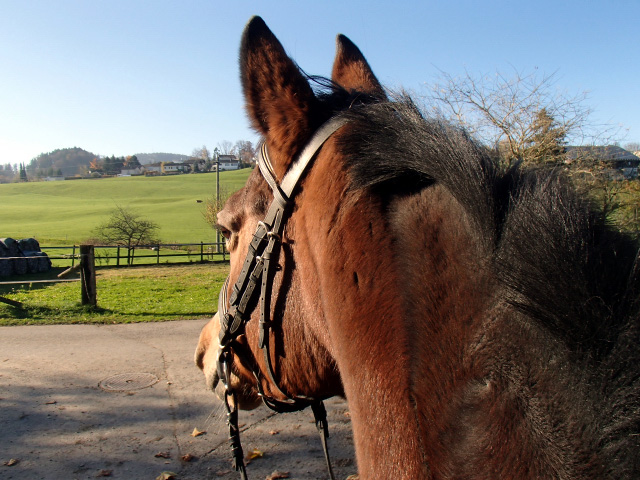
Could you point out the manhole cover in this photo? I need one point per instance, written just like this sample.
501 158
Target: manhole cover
125 382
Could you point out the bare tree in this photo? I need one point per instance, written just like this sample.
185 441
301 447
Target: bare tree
128 229
201 153
245 151
523 116
632 147
226 148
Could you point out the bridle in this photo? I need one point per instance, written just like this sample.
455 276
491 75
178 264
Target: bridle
259 269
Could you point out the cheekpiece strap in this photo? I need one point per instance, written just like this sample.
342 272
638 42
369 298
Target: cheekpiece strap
259 268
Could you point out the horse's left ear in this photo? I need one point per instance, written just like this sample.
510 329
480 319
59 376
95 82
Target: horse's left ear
278 97
352 71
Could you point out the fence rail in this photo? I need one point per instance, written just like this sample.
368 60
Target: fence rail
121 256
86 265
86 257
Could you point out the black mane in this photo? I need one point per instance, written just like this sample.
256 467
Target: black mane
556 260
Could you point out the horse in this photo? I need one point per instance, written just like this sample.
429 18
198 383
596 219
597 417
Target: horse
481 320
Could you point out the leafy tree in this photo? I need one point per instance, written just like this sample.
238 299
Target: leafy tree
113 165
131 162
201 153
7 173
23 173
96 165
69 160
126 228
547 140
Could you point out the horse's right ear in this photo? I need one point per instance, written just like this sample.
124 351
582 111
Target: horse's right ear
279 99
352 71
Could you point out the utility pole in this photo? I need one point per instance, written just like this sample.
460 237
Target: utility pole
216 158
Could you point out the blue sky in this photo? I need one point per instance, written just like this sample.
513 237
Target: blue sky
123 77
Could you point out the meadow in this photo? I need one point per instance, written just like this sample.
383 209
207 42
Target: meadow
125 295
67 212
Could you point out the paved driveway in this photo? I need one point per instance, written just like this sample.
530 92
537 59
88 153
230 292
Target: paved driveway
74 405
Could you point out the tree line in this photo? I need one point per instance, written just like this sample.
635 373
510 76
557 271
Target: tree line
76 162
113 165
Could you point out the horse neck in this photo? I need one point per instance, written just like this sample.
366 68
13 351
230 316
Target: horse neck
391 340
435 367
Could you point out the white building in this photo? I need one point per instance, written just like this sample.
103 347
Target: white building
228 162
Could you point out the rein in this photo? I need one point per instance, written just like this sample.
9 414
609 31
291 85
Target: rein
259 269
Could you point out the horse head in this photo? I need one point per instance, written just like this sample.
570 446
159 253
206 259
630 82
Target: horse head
286 111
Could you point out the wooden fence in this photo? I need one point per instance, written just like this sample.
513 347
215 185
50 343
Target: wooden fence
85 264
121 256
85 258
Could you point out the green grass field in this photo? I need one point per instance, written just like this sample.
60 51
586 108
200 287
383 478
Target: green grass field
139 294
66 213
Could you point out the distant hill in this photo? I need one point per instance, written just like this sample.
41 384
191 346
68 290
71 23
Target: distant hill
65 162
68 162
145 158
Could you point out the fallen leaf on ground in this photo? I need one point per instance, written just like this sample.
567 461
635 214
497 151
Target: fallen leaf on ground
104 473
274 432
255 453
51 402
163 455
277 474
252 455
187 458
167 476
12 462
197 433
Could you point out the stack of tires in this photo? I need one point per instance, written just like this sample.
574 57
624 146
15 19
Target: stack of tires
18 257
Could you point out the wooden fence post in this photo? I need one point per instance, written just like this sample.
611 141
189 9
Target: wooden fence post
88 275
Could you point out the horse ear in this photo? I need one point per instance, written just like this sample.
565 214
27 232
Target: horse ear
279 100
352 71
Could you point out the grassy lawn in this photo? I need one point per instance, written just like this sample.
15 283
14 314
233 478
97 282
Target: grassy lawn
64 213
136 294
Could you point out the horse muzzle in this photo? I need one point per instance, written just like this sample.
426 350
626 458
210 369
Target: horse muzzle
206 358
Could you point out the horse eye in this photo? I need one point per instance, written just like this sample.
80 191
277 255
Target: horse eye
225 232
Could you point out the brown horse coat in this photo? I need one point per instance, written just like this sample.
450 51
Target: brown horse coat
481 323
